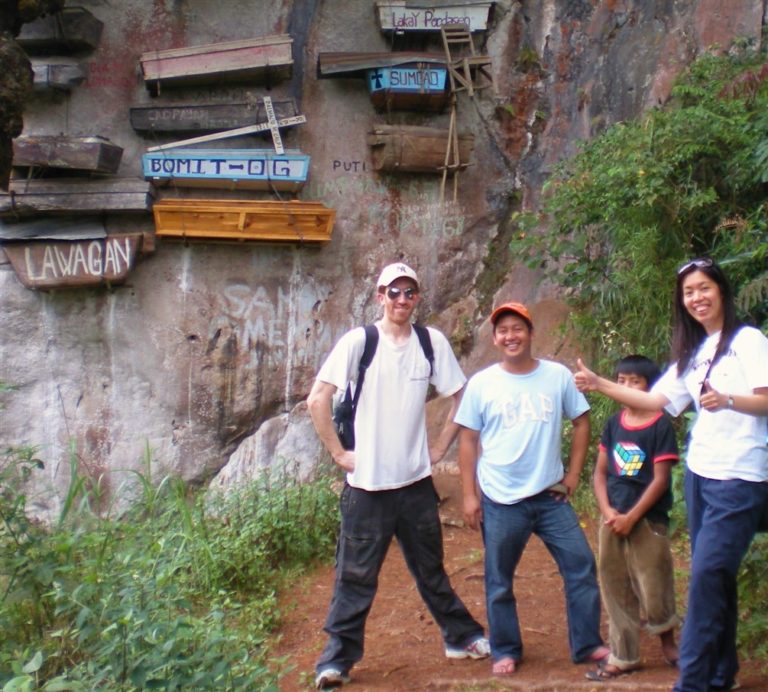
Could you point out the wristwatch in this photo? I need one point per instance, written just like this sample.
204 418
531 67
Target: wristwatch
730 401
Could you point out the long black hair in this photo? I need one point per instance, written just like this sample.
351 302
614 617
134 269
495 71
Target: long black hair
687 333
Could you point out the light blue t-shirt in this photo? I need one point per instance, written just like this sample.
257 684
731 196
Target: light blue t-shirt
520 420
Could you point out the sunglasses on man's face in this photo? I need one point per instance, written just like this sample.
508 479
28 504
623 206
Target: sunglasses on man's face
394 293
698 263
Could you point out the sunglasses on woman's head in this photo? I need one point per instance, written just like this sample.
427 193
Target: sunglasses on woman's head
702 263
394 293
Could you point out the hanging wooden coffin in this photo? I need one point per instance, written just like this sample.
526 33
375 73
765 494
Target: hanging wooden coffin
243 220
66 264
56 75
416 86
233 169
73 29
398 80
73 263
92 154
422 15
81 195
206 117
412 149
265 59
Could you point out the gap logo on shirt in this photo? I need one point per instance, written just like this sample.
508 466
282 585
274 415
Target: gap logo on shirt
628 458
527 407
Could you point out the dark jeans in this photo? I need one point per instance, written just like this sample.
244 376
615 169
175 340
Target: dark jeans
506 530
369 520
722 519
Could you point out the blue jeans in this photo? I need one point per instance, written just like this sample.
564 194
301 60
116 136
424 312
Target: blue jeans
506 530
369 520
722 519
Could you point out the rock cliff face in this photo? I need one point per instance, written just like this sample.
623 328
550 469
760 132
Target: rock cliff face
208 351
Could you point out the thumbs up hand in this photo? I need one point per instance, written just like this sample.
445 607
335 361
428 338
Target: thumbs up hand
711 399
584 378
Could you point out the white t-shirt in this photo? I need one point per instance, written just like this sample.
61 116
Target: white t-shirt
520 419
724 444
391 449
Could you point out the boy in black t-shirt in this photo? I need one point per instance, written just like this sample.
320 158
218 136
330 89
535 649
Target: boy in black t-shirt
632 486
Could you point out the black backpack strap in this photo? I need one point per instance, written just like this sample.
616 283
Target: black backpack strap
426 346
371 342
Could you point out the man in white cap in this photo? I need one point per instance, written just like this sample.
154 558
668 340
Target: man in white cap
389 490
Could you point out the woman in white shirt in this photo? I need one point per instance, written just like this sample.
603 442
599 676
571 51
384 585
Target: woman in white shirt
721 367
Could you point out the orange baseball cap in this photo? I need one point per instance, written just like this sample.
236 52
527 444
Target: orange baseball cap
516 308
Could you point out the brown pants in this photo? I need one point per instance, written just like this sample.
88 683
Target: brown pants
637 584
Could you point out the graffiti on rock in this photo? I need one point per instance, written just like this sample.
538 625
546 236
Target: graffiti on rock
273 326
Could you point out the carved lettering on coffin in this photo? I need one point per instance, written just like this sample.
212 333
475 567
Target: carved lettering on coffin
395 16
59 264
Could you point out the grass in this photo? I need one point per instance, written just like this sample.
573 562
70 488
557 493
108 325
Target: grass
177 593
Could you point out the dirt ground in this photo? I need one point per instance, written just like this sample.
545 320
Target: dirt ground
403 645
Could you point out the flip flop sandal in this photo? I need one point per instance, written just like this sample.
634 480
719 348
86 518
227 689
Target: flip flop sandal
604 673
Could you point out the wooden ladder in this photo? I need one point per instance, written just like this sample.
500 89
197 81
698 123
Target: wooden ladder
452 162
466 69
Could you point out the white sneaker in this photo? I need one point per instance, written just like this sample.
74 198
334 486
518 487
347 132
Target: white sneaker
329 678
476 649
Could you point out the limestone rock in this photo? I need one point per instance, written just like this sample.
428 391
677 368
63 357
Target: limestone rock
284 444
198 357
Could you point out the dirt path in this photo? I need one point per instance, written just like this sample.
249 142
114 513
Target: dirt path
403 645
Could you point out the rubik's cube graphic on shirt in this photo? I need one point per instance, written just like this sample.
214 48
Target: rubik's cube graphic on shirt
628 458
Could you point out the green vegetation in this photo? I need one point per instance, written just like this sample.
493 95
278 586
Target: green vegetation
175 594
635 203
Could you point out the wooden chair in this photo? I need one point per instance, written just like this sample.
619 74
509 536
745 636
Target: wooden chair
466 69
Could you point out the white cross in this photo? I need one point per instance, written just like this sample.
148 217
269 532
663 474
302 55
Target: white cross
272 124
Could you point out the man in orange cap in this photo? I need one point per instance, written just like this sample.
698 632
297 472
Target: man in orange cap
514 484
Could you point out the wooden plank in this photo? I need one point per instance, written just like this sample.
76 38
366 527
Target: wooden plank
73 29
252 59
93 154
403 16
74 263
82 195
58 76
415 86
243 220
53 228
207 117
234 169
412 149
345 65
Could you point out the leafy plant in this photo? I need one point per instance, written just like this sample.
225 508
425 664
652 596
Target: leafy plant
621 215
170 595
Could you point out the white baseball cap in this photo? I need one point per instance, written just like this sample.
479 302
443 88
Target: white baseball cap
392 272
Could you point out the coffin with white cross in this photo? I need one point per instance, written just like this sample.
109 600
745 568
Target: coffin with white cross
235 169
183 118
